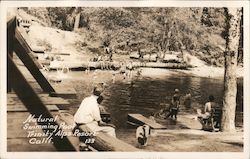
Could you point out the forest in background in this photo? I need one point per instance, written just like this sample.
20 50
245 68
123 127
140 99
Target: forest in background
200 31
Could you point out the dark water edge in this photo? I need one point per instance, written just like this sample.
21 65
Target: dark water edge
146 96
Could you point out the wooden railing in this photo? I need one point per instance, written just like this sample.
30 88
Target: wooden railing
23 89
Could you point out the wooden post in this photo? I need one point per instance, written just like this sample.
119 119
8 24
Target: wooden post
11 25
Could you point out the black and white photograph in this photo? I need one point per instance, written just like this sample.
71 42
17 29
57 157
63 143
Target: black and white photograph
142 77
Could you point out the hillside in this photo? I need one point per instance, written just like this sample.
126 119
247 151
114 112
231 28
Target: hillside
198 31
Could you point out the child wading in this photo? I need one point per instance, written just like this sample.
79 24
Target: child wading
174 108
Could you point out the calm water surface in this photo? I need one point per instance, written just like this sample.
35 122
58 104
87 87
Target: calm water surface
147 94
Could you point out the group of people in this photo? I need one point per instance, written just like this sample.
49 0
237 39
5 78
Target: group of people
126 70
174 107
89 113
203 116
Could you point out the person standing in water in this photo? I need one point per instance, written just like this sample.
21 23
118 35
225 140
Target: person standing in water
130 68
176 94
188 100
174 108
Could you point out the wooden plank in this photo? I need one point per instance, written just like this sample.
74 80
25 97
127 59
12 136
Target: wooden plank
37 49
58 53
35 106
14 95
64 92
14 100
22 108
64 64
23 145
44 62
141 120
23 52
104 142
15 124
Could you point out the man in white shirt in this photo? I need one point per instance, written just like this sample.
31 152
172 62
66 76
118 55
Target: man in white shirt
89 114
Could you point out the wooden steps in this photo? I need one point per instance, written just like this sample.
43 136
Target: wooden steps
141 120
35 104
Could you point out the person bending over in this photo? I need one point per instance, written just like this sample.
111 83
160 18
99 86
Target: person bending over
89 114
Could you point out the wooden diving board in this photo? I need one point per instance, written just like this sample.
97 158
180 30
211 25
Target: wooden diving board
141 120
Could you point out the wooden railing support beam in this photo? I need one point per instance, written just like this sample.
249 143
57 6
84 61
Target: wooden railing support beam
35 106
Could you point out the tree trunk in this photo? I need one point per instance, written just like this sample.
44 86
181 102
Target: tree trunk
233 16
77 21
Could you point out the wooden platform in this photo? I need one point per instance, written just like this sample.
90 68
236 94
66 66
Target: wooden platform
141 120
24 102
17 140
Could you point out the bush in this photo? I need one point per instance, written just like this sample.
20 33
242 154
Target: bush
194 29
